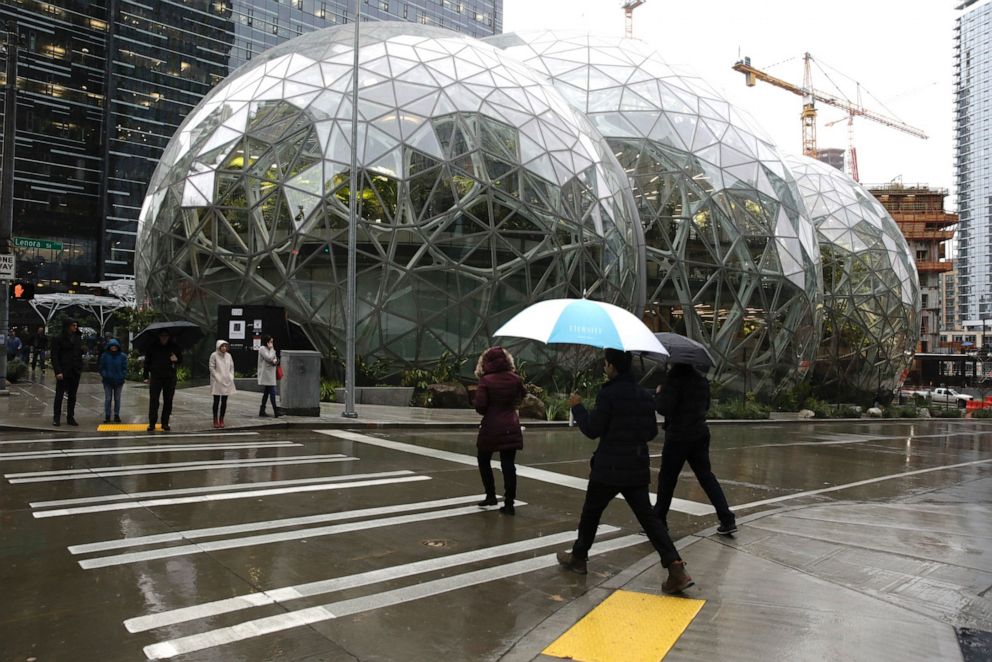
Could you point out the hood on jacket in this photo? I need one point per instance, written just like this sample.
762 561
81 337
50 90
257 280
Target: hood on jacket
67 323
494 359
221 342
113 342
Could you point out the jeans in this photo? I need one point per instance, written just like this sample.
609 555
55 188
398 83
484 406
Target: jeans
220 403
67 387
599 496
506 463
112 392
674 454
269 392
41 354
166 388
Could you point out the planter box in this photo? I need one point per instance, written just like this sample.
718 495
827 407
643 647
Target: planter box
393 396
247 384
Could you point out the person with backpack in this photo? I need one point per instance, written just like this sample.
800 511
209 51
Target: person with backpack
113 371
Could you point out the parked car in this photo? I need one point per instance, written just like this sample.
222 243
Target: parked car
941 395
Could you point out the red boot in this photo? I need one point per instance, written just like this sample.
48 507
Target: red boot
221 423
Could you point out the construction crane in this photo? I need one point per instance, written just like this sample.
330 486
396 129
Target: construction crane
628 12
810 96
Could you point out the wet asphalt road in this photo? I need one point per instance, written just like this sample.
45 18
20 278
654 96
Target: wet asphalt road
362 537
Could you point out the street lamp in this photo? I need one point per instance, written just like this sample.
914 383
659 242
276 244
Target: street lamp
7 183
351 295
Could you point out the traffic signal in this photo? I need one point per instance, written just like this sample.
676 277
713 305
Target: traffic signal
21 290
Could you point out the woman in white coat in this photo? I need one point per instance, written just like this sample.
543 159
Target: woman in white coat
221 380
267 362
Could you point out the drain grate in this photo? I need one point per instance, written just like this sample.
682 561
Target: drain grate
435 543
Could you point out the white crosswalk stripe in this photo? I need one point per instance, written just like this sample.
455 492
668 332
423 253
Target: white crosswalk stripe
172 436
130 450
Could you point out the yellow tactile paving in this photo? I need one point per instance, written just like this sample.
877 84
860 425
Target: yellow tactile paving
124 427
627 627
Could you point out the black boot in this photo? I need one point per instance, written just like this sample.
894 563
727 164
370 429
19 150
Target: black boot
261 411
276 412
490 500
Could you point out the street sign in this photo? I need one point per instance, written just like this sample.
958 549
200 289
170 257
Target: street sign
27 242
7 265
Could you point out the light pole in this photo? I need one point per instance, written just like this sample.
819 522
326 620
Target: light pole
350 298
7 184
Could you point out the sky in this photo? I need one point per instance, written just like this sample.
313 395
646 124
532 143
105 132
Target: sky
901 52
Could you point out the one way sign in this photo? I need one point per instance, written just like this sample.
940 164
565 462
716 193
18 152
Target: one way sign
6 267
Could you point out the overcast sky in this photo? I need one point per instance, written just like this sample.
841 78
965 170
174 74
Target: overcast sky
899 51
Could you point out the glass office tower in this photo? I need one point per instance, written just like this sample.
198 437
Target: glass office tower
104 84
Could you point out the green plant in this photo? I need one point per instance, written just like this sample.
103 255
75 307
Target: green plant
418 378
369 373
182 374
941 412
900 411
446 369
327 387
982 413
16 370
793 399
135 366
741 409
556 408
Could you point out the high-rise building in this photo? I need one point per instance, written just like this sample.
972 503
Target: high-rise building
973 147
104 84
949 299
919 212
832 156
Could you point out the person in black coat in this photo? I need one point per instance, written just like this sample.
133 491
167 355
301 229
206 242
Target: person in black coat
624 421
67 361
500 391
40 343
684 402
161 361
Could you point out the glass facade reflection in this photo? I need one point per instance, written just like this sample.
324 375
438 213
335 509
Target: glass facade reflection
482 191
871 287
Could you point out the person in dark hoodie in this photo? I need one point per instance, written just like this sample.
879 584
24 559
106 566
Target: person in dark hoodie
500 391
624 420
684 402
113 370
67 361
161 361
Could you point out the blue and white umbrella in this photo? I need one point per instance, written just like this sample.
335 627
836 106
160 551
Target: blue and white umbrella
582 322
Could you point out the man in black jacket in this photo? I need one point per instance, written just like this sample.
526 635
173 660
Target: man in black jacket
161 360
684 402
624 420
67 361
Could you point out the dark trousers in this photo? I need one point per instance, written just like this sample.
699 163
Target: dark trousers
166 388
599 496
220 405
268 392
507 464
66 387
674 454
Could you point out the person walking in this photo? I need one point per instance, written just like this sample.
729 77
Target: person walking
500 391
113 370
267 362
161 361
624 421
67 361
26 343
13 344
684 402
40 343
221 380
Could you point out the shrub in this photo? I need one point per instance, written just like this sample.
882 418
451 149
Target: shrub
897 411
940 412
746 409
16 370
135 365
327 387
183 374
981 413
557 408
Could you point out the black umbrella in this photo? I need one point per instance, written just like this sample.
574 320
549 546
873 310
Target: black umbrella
185 334
683 350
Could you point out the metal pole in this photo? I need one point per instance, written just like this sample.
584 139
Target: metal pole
7 185
351 296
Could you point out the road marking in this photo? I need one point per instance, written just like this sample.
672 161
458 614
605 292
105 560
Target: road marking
297 618
641 625
128 450
174 467
287 593
148 437
835 488
267 538
215 531
678 505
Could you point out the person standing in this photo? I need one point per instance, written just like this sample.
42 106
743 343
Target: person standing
500 391
40 343
26 342
161 361
113 370
267 362
67 361
624 420
221 380
684 402
13 344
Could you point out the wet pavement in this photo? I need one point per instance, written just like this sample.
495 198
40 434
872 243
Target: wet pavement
859 541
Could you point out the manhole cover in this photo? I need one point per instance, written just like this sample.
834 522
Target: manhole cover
435 543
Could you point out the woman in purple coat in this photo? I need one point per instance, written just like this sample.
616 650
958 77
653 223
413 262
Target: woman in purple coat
500 391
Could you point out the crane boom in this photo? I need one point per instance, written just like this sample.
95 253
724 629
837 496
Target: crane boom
628 12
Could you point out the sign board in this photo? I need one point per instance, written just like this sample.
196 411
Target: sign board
27 242
243 326
7 267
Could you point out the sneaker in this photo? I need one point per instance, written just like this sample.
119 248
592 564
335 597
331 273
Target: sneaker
488 501
166 428
117 419
727 528
577 566
678 579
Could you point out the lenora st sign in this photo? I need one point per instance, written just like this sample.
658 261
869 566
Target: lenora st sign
26 242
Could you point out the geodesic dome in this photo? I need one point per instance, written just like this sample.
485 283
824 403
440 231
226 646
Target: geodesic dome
872 290
481 191
732 260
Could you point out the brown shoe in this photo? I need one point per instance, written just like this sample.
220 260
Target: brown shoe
678 579
577 566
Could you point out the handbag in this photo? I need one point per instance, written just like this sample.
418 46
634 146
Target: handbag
278 372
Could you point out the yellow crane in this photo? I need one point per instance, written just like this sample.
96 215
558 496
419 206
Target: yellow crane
810 96
628 12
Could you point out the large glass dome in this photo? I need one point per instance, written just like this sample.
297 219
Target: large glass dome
732 258
482 190
872 290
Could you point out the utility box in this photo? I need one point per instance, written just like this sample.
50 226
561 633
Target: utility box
299 388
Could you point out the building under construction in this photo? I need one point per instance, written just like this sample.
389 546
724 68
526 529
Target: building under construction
919 211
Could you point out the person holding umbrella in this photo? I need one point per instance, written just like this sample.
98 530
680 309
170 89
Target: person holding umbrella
624 421
161 360
221 380
500 391
67 361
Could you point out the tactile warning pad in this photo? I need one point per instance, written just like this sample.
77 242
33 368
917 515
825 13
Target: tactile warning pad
125 427
627 627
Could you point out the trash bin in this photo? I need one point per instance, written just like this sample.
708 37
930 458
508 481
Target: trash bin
299 388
